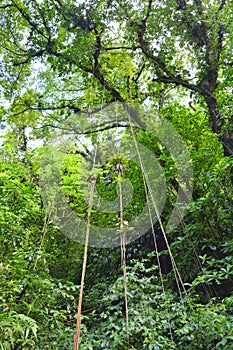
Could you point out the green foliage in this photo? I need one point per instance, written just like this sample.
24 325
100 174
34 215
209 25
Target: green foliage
62 57
17 330
154 316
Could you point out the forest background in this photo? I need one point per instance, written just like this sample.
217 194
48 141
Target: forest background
117 73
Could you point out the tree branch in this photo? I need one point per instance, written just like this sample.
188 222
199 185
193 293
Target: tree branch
29 20
178 81
6 6
133 48
139 73
43 18
223 3
199 6
103 127
96 129
148 10
97 50
28 59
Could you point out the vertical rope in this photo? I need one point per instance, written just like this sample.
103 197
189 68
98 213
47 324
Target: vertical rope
78 324
36 254
44 231
123 262
92 179
159 265
150 192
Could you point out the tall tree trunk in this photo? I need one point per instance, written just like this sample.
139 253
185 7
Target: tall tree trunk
219 125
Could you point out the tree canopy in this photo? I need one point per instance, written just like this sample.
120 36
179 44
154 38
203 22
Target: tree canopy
132 51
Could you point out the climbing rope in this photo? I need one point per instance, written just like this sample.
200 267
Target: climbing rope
149 192
150 199
92 181
78 324
123 259
44 232
159 265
